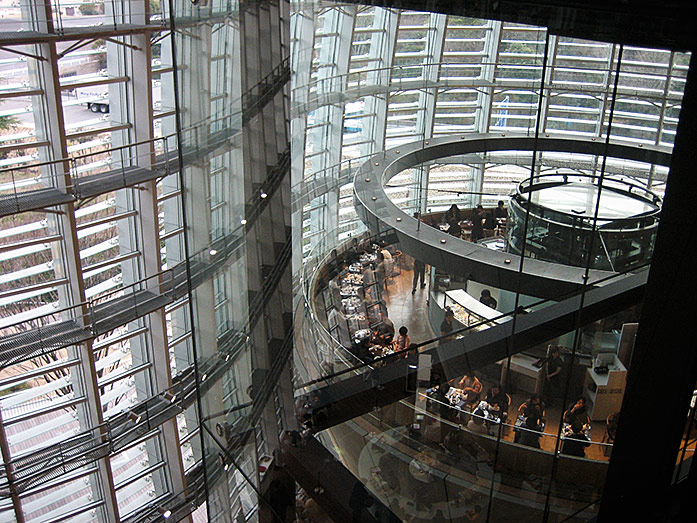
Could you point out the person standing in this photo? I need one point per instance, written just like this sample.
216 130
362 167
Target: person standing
447 326
487 299
419 274
553 367
478 223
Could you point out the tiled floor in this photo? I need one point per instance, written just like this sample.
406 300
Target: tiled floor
405 308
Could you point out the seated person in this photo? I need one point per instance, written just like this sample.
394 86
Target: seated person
530 432
441 403
476 423
455 229
534 406
576 443
472 388
360 349
577 411
402 341
500 212
384 332
452 214
498 400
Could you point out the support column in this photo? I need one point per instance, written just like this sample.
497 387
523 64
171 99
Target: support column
68 263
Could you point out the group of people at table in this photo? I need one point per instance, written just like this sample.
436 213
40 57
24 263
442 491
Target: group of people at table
481 224
462 402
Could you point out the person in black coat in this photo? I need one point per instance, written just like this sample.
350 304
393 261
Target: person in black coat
577 411
500 212
576 443
419 274
455 229
530 432
478 223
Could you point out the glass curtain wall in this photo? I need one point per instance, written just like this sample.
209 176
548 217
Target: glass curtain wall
127 199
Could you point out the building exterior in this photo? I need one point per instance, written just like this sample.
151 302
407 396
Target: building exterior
170 171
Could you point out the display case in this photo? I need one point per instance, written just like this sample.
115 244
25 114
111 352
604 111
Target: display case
469 311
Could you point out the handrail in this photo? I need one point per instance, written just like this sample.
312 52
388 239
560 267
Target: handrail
361 76
309 283
249 102
123 427
610 183
500 423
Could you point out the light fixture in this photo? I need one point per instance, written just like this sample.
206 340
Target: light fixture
377 163
374 198
263 194
399 219
135 418
397 151
243 221
212 252
426 142
169 397
203 378
443 240
165 513
367 180
507 261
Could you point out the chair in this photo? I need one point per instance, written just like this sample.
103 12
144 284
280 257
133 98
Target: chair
610 430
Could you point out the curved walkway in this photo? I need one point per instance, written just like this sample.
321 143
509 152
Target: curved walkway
459 257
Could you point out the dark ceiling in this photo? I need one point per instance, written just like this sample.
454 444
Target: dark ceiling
665 24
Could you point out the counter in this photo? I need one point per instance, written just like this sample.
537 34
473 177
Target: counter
605 391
